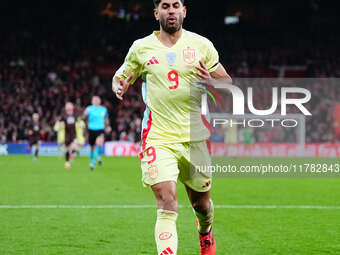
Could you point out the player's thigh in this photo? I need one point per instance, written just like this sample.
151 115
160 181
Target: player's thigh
166 195
194 166
100 138
81 141
158 164
69 140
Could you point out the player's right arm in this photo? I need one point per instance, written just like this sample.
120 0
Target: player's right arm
127 73
120 86
107 128
86 113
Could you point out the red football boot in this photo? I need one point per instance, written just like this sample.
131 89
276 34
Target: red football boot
207 242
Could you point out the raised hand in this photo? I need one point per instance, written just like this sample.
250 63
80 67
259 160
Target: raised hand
120 86
203 72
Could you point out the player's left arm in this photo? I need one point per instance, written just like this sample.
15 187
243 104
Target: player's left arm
221 73
210 67
218 73
86 113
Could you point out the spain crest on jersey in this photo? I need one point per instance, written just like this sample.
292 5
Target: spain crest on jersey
189 55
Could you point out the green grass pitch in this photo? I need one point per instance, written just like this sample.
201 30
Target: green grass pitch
119 231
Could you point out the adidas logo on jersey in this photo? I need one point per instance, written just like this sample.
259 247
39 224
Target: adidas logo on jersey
167 251
152 61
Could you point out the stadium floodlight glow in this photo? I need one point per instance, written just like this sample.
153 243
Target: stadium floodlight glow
228 20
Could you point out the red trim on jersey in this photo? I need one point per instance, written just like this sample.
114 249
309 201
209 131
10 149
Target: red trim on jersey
208 126
145 135
208 146
206 123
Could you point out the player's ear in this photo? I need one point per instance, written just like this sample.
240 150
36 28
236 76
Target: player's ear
155 13
184 11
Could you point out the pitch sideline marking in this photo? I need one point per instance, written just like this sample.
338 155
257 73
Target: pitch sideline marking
320 207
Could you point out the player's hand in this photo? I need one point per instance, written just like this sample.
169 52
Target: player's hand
108 130
120 86
203 72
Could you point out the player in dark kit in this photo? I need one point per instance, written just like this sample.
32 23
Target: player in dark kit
69 120
34 135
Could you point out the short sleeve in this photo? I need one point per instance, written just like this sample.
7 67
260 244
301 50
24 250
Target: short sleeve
106 113
87 111
131 64
212 58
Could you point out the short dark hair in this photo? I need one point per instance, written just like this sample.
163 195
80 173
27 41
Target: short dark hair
156 2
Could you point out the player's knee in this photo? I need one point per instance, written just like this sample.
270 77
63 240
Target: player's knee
167 201
99 141
166 195
201 206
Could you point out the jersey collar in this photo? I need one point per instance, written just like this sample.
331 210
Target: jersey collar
175 45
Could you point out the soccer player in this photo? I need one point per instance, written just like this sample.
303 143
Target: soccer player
59 127
34 135
169 60
97 119
80 128
69 122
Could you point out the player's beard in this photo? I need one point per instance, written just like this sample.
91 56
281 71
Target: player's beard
171 28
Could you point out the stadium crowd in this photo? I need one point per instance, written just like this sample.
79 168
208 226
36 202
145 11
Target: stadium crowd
27 87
